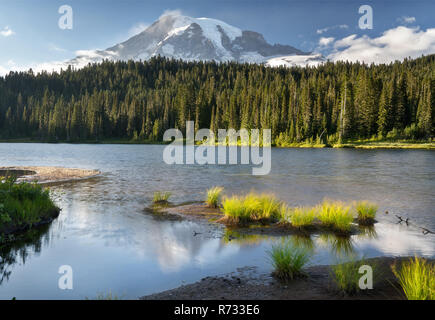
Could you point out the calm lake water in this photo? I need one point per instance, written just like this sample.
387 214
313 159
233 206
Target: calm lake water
105 234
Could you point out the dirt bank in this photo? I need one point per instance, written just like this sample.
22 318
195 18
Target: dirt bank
248 283
48 174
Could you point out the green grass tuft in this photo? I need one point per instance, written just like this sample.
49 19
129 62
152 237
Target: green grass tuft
346 275
366 212
335 215
214 196
251 208
288 260
417 279
302 217
161 197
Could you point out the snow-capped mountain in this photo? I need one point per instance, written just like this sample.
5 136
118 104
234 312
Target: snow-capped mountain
181 37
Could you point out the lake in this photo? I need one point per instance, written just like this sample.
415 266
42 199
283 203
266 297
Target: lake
114 245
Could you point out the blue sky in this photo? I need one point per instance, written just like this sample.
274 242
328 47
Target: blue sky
29 32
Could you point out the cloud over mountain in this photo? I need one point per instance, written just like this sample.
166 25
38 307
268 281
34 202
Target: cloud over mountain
178 36
394 44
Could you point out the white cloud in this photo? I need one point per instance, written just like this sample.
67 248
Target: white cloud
87 53
394 44
7 32
3 71
10 65
323 41
83 58
95 54
406 20
340 26
137 28
47 66
175 13
54 47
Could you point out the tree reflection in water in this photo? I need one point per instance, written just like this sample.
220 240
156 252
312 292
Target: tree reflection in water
20 248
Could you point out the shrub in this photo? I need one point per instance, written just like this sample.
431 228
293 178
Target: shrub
288 260
24 204
214 196
411 132
417 279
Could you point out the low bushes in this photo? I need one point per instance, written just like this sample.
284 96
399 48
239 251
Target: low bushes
23 205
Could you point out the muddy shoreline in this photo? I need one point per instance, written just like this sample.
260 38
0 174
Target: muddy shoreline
249 284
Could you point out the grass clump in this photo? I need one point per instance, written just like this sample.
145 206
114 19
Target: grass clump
302 217
251 208
417 279
161 197
23 205
234 209
214 196
335 215
366 212
346 276
288 260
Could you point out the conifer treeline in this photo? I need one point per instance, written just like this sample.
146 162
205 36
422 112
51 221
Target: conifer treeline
139 100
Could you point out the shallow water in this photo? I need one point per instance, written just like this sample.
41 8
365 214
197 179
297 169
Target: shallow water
114 245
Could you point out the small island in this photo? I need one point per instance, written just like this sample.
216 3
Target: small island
25 203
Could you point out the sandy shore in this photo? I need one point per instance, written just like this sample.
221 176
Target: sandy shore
248 283
48 174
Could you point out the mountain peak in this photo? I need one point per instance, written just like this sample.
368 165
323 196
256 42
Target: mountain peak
192 39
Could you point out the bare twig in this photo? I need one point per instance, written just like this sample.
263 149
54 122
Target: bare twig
424 230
